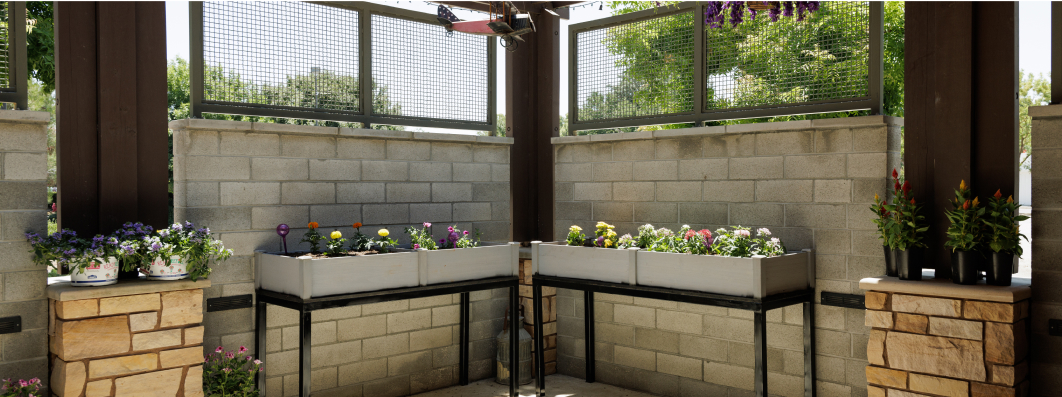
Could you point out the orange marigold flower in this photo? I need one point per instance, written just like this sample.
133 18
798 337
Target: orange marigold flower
998 194
357 225
313 225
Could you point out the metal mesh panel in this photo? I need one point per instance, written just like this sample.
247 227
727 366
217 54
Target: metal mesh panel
5 46
760 63
420 71
287 54
643 68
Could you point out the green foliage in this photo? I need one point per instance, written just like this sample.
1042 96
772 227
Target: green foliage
40 43
228 374
1001 231
964 233
904 227
421 238
1033 90
739 242
575 236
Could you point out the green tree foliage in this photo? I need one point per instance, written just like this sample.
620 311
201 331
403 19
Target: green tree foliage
40 43
1033 90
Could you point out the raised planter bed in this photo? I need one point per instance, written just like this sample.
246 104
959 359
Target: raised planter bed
312 278
749 277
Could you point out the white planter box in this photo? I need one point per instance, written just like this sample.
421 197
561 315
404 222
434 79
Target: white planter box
748 277
310 278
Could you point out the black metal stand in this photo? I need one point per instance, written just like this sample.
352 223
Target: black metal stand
759 307
305 307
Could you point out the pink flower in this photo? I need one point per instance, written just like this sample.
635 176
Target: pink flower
450 229
427 224
248 358
23 383
219 350
258 362
227 370
466 232
242 349
741 233
416 246
230 355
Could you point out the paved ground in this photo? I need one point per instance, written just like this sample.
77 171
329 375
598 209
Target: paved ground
556 386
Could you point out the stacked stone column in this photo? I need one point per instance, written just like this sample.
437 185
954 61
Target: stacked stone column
549 314
131 338
963 341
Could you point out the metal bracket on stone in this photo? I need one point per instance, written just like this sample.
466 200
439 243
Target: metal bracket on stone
843 300
229 303
11 325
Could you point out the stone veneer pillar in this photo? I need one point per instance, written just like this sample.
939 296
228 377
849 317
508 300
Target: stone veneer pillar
936 338
549 312
132 338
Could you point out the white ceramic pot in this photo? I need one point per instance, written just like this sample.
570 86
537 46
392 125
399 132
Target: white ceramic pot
161 269
98 272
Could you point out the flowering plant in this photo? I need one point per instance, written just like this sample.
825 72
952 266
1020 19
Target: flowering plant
905 227
646 236
226 374
421 238
881 218
21 388
313 238
1001 221
685 241
360 242
964 233
65 248
740 243
606 236
335 243
195 245
386 244
457 238
575 236
715 10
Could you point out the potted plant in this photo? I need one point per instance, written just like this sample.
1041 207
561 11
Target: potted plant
964 236
181 251
1003 237
732 262
881 220
228 374
363 264
91 263
21 388
905 230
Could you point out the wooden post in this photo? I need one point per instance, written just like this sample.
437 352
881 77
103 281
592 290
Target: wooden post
111 111
532 108
960 107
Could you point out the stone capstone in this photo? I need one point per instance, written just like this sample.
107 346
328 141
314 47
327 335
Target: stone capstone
913 323
886 377
152 384
1005 343
940 386
68 379
123 365
955 358
96 337
77 309
925 305
182 307
129 304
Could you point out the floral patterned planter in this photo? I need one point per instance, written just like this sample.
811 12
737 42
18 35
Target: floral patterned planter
159 269
750 277
98 273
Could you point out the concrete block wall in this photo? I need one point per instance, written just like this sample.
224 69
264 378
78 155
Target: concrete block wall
1046 238
23 199
242 179
810 182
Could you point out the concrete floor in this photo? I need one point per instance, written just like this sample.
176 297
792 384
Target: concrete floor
556 386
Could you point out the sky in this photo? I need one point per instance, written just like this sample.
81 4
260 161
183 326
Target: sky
1034 38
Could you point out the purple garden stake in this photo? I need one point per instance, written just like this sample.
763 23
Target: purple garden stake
282 230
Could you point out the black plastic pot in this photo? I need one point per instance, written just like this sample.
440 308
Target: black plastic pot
999 269
964 267
890 262
128 275
908 263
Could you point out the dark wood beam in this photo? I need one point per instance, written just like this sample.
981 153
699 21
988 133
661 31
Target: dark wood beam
153 198
995 99
76 116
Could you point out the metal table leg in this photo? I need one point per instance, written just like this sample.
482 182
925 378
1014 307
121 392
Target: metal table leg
260 340
540 354
514 340
465 324
759 325
591 360
304 353
809 349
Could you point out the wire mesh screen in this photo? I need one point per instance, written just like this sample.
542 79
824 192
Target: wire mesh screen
5 45
420 71
761 63
285 54
643 68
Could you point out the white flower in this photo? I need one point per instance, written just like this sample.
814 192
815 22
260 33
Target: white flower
763 231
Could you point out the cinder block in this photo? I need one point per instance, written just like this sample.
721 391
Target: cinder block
20 286
636 358
196 142
730 145
494 191
307 193
360 192
445 315
679 366
409 363
430 172
14 225
656 170
703 169
678 191
873 139
198 194
468 212
470 172
600 191
835 242
689 323
500 173
703 213
500 211
23 137
834 191
600 152
833 140
816 215
25 166
756 168
490 153
633 150
728 328
576 172
250 193
703 348
313 147
657 340
575 211
1044 194
361 327
618 171
384 171
633 191
245 144
867 165
366 149
340 215
729 375
788 142
729 191
757 214
384 346
785 191
656 212
613 333
203 168
613 212
679 148
451 152
440 212
220 218
635 315
335 170
408 150
451 192
815 166
408 192
269 217
279 169
386 214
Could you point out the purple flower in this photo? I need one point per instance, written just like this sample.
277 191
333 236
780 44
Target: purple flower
453 237
70 251
600 241
713 14
155 247
787 10
737 12
442 241
774 13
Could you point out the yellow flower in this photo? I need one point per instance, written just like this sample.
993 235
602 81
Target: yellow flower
608 243
876 199
611 233
383 232
575 228
1010 199
336 235
962 184
975 202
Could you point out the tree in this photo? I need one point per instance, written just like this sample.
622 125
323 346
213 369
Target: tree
1033 90
40 43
